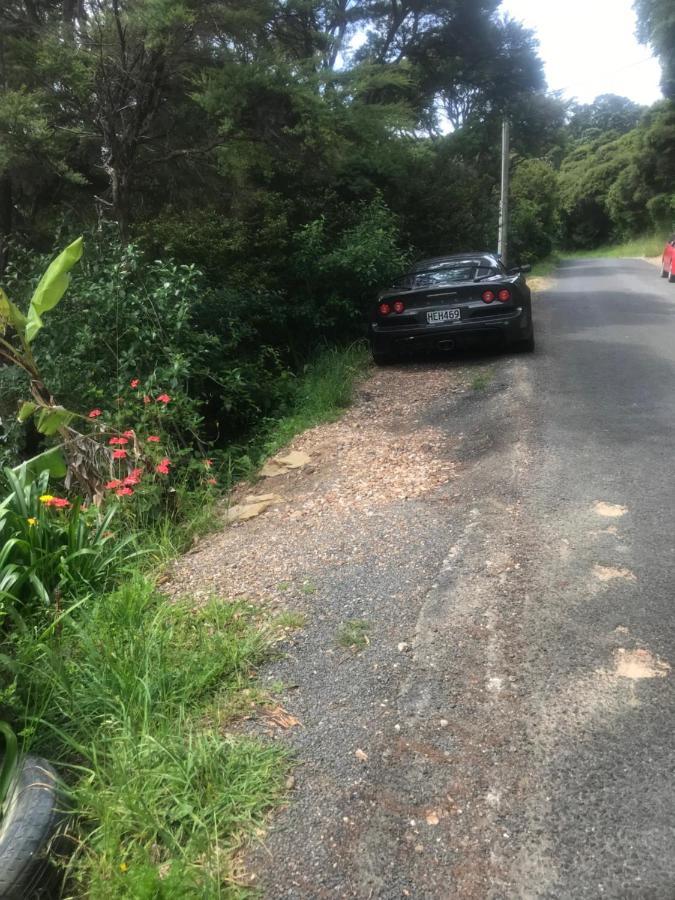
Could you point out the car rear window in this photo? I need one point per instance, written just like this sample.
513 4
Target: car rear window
449 274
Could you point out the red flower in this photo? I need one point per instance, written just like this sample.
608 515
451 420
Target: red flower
146 399
164 398
211 481
113 485
129 433
134 382
124 492
163 467
58 502
153 439
208 463
134 478
118 440
95 413
119 454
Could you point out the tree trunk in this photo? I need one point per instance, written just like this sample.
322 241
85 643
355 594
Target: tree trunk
5 219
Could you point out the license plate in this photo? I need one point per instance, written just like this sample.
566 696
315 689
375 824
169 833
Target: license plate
443 315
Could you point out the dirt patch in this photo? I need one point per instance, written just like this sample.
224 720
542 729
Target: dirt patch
639 664
609 573
540 283
609 510
378 453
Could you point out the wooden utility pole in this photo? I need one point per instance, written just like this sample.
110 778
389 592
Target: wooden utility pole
504 204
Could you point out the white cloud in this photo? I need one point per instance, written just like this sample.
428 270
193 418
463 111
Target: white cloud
589 48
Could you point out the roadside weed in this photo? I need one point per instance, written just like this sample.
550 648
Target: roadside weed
132 700
481 381
290 619
354 634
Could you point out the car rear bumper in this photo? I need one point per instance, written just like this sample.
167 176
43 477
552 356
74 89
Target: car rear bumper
512 327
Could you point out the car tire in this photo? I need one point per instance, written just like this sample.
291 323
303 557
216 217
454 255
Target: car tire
671 274
526 346
27 828
383 357
664 274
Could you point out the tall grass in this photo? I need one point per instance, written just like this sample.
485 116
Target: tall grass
132 701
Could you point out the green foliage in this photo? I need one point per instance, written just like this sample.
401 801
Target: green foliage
135 691
646 245
51 288
321 392
7 763
353 634
656 26
614 186
534 214
51 550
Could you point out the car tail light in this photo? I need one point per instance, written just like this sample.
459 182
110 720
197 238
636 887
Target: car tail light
399 306
488 296
504 296
385 309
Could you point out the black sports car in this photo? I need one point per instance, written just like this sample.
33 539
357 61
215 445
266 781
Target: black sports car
453 301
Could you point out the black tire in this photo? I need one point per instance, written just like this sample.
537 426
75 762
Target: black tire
383 357
664 274
30 822
671 274
526 346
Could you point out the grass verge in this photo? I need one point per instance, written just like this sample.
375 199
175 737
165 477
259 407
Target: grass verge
322 393
132 701
131 696
545 267
647 245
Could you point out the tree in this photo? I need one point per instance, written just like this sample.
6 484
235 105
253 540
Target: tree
608 112
656 26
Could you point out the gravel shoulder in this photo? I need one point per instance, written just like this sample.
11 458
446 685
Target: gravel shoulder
407 520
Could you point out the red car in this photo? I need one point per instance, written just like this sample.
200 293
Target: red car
668 261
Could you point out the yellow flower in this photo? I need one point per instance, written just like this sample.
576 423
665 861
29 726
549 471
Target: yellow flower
32 521
46 498
123 867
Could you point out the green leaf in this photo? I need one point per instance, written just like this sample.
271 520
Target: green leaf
10 315
51 418
52 287
8 768
27 410
52 461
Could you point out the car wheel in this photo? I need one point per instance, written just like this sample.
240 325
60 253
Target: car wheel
384 357
664 273
671 274
526 346
27 827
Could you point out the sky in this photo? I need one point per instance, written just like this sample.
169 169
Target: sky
589 48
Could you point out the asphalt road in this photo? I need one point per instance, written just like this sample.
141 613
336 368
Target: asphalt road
515 709
600 818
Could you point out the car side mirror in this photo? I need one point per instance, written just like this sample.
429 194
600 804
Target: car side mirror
518 270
